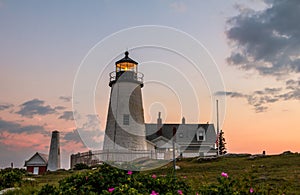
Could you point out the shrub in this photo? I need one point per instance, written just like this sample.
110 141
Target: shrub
110 180
81 166
10 177
48 190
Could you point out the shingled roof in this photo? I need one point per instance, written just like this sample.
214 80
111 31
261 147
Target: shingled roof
37 159
166 130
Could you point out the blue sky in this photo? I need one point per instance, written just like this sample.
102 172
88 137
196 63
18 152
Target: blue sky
42 44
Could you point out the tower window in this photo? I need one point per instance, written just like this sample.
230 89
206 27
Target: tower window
126 119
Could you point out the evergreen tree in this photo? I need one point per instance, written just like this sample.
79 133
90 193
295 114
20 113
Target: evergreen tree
221 143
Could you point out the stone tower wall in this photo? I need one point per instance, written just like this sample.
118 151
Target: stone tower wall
125 99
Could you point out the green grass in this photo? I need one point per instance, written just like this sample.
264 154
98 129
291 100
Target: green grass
51 177
277 170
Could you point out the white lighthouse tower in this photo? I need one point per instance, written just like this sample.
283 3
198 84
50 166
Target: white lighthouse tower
54 152
125 126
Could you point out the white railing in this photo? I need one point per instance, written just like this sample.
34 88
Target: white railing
126 76
97 156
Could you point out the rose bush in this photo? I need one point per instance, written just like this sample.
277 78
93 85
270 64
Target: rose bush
109 180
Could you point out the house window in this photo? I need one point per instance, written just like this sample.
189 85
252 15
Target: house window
126 119
200 136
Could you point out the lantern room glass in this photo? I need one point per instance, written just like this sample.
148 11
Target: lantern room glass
126 66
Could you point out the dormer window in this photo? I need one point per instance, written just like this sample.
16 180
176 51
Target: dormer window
200 135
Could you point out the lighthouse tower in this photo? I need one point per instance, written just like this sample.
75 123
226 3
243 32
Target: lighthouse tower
125 126
54 152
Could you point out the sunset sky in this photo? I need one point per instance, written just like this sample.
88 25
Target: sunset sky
253 47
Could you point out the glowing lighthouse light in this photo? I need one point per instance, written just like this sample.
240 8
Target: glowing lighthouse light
126 64
126 70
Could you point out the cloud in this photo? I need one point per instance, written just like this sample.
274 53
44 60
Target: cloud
294 87
90 132
17 128
65 98
92 138
257 99
35 107
16 142
267 41
67 115
294 90
261 99
5 106
261 109
293 84
268 91
230 94
73 136
92 122
59 108
178 7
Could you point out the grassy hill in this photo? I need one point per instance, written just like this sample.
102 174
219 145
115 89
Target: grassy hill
276 171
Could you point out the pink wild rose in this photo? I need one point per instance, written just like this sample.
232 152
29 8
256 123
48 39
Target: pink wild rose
223 174
154 193
153 176
111 190
180 192
251 190
129 172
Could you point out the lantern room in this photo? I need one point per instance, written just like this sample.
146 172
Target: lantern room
126 64
126 70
